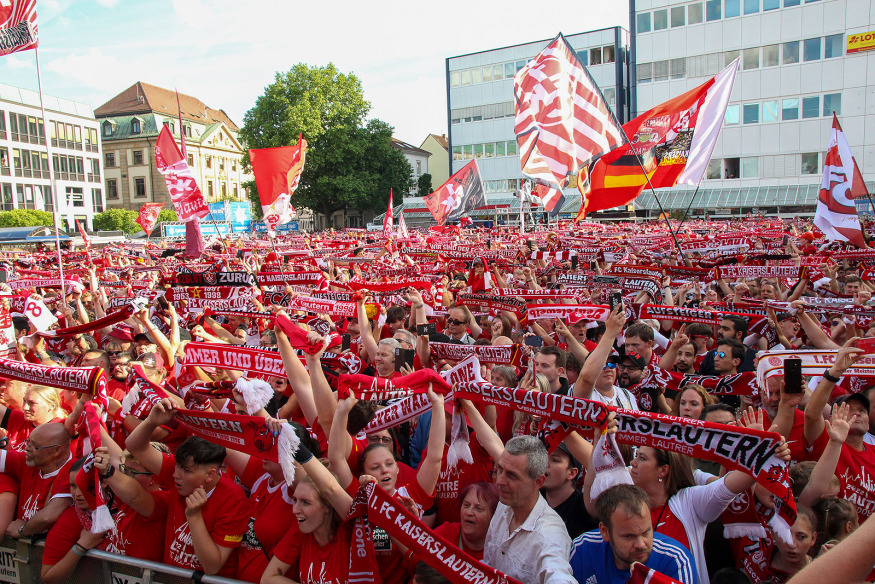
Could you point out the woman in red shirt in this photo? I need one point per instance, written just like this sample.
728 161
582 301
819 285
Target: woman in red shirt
479 501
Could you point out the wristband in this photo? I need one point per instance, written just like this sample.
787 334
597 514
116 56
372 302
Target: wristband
829 377
21 528
110 471
419 306
79 550
302 454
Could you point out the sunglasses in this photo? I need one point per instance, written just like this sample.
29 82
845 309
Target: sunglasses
456 322
115 353
131 472
836 322
610 366
721 354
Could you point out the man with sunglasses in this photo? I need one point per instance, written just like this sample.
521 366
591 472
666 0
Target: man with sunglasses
459 319
731 327
598 377
728 355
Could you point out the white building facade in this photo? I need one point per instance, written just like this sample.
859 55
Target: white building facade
481 108
73 148
801 60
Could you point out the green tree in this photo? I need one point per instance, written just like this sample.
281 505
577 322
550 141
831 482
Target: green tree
349 163
25 218
167 215
424 184
117 220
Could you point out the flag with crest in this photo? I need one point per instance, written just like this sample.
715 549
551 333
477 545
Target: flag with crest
18 31
461 194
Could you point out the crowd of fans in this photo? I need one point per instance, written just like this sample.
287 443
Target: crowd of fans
518 502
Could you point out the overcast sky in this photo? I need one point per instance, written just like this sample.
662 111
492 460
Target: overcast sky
225 53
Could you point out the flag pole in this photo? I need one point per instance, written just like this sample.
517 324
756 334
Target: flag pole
687 212
55 199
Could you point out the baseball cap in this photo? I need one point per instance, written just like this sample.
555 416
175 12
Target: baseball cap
635 358
855 396
574 462
152 360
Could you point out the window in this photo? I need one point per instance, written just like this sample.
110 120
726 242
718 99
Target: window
468 152
497 74
791 52
187 131
811 49
809 163
751 113
74 194
97 200
209 160
750 167
140 187
221 163
135 126
770 56
454 79
730 56
488 150
770 111
520 65
678 68
501 148
487 73
660 71
478 150
234 187
751 58
678 16
224 191
190 160
694 13
731 118
138 157
509 70
466 76
608 54
210 189
107 129
832 102
233 165
595 56
644 72
751 6
511 148
771 4
712 10
731 8
790 109
730 168
476 77
789 3
715 167
112 189
109 159
811 107
833 46
660 19
643 22
457 153
170 126
610 95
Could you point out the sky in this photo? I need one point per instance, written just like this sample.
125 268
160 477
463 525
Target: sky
226 52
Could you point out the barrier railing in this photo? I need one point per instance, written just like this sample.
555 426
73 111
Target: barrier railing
21 563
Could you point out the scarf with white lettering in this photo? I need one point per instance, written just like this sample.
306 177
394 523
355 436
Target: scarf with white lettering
379 388
570 313
495 303
89 380
363 568
744 271
262 361
101 520
248 434
500 354
814 363
744 383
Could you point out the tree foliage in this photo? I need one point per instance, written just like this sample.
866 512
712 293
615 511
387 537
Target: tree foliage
167 215
25 218
424 184
349 163
117 220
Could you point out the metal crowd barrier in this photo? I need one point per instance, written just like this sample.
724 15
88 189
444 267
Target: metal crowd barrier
21 562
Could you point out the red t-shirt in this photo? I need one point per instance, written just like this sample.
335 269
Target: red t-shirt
116 389
272 518
65 533
453 480
452 532
138 536
18 430
328 564
40 489
855 470
226 516
799 449
666 523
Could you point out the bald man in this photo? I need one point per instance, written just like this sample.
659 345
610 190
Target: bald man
42 472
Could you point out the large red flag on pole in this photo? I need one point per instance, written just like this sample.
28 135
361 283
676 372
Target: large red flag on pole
277 175
460 195
184 192
562 120
842 182
389 220
18 30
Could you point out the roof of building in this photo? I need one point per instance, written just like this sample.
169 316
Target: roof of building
10 235
441 140
409 148
537 41
51 103
142 98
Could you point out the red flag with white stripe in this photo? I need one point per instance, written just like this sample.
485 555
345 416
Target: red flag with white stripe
641 574
842 182
389 221
18 31
562 120
84 235
403 233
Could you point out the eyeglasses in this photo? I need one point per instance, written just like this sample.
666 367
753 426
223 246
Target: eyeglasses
456 322
610 366
721 354
131 472
628 368
380 440
28 445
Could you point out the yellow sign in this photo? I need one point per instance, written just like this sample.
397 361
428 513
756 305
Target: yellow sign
865 41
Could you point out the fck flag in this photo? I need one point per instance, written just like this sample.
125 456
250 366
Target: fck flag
184 192
389 220
457 197
842 182
562 120
277 175
84 235
148 216
18 31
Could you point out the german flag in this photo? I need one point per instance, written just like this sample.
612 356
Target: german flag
614 180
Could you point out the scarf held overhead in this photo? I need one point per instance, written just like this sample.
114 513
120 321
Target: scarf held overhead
88 380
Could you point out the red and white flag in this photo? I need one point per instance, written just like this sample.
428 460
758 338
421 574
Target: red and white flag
562 119
18 31
277 175
403 233
842 182
84 235
389 220
148 216
184 192
641 574
461 195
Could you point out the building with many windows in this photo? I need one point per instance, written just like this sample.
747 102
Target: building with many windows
801 60
129 125
73 147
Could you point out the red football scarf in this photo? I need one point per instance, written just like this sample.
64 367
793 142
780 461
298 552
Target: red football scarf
234 357
101 520
107 321
90 380
570 313
569 294
499 354
641 574
363 568
744 271
439 553
297 336
249 434
682 314
311 278
495 303
744 383
368 388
